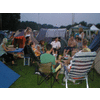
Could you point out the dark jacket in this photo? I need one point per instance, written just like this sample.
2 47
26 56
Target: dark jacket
28 52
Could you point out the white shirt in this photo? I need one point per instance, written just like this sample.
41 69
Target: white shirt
27 35
80 35
56 44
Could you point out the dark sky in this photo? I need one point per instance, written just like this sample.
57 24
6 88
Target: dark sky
58 19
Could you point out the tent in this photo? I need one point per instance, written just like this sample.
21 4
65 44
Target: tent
1 36
97 63
93 28
48 34
75 29
56 33
20 39
42 34
95 43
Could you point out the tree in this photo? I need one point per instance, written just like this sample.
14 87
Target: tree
10 21
98 25
83 23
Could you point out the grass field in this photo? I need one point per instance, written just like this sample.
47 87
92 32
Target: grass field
29 80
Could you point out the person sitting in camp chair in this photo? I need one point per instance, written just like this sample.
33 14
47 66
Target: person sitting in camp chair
47 58
8 57
28 52
69 61
71 44
56 45
37 53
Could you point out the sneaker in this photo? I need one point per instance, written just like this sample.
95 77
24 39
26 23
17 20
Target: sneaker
72 80
64 80
38 73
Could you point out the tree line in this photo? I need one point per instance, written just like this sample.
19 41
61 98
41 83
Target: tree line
11 21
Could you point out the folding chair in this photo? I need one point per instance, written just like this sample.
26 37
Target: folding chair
46 74
81 65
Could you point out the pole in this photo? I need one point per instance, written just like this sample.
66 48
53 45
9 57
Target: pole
0 21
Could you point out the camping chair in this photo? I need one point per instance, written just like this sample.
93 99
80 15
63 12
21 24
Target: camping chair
46 74
81 65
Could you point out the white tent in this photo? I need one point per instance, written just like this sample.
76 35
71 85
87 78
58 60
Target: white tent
93 28
56 33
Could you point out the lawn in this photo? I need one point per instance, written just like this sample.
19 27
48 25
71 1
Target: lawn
29 80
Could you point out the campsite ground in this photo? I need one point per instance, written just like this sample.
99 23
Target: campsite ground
29 80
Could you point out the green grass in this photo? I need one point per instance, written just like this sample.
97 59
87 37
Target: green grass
28 79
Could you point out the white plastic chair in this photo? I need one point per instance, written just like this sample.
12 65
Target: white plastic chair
81 65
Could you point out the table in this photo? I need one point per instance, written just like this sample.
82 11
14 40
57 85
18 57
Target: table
16 50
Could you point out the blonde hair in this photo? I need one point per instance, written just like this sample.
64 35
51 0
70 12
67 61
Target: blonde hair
84 50
4 40
80 29
96 32
85 41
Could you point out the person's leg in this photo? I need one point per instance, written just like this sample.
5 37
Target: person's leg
57 69
11 57
6 58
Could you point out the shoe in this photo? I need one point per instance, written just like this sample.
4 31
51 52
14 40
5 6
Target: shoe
72 80
38 73
57 80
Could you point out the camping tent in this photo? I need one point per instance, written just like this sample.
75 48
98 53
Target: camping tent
56 33
42 34
20 39
95 43
93 28
97 63
1 36
48 34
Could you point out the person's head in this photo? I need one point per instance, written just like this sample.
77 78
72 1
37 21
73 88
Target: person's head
72 36
80 30
28 30
32 44
76 39
49 47
4 40
56 39
42 42
27 42
85 42
27 37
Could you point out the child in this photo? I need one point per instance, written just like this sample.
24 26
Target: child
40 47
37 53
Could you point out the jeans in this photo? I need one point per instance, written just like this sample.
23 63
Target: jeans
65 69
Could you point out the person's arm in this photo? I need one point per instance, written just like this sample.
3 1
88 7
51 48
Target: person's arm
82 36
37 51
69 42
59 45
54 63
38 47
5 48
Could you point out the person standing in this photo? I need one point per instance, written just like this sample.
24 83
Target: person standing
81 33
